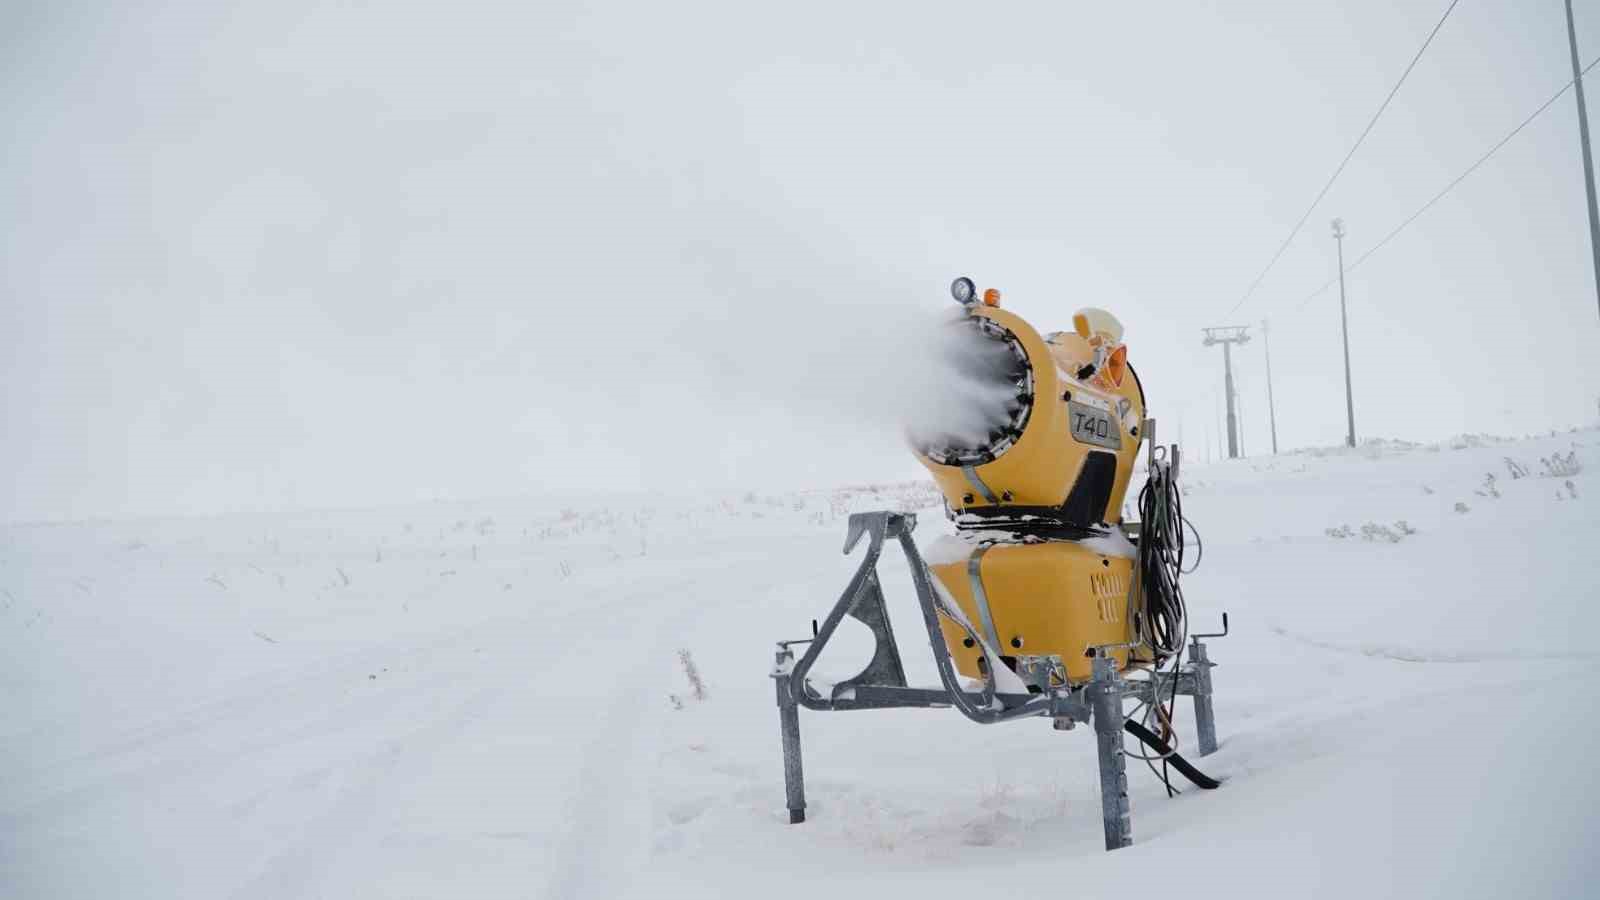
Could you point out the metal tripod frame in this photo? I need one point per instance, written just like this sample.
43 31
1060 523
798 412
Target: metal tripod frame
882 684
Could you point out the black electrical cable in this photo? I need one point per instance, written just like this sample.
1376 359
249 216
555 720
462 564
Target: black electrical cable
1150 761
1184 767
1199 546
1164 621
1161 551
1346 161
1172 702
1449 187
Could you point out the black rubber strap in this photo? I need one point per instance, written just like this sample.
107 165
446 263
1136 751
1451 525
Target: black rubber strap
1149 739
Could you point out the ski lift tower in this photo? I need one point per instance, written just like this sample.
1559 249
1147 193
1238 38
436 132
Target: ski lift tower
1227 337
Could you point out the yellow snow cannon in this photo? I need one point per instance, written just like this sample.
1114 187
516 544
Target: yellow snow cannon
1034 474
1044 603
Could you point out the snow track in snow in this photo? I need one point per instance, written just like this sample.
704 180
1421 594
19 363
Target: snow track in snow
473 700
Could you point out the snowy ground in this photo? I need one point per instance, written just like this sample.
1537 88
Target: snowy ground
487 700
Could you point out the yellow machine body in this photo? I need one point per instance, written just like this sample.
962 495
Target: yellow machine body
1049 596
1042 466
1054 597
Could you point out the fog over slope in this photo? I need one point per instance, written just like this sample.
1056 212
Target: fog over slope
287 255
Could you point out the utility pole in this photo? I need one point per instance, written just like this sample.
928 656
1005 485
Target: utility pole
1344 323
1583 140
1239 405
1227 337
1216 440
1272 409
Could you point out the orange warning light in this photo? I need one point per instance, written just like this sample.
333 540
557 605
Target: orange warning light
1117 366
991 297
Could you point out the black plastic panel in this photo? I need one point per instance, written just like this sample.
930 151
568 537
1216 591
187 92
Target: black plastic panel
1086 503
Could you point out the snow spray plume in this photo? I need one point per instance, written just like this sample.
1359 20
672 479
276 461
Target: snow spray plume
903 373
968 392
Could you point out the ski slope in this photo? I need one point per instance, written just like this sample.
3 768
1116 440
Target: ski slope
487 700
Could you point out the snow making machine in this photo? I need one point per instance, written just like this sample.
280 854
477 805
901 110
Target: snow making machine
1045 603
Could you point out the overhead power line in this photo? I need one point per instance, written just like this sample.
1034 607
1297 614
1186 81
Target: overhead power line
1451 186
1344 162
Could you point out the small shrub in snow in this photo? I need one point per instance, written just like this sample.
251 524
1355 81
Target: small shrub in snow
1372 531
1516 469
1404 527
1488 489
1427 490
675 700
1571 491
1558 466
1343 531
691 672
1462 507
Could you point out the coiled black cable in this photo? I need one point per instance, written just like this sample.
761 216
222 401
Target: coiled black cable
1164 623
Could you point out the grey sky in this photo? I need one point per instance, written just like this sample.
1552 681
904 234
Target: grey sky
290 254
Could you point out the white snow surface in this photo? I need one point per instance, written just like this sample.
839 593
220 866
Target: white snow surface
487 700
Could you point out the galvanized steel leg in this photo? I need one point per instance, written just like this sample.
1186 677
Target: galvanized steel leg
1205 717
794 785
1107 700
